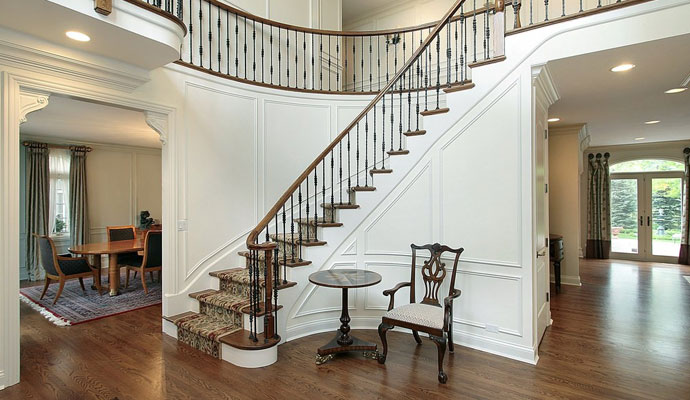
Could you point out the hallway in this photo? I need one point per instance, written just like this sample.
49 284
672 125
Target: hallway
625 334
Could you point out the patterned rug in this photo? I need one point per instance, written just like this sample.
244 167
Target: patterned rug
76 307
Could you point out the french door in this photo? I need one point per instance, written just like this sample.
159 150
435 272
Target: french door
646 215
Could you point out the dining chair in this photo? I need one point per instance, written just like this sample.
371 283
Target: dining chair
62 269
428 316
152 259
124 232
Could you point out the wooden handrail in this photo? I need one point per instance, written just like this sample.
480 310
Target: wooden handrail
341 33
157 10
254 234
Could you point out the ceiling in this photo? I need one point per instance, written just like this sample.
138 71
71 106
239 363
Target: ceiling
50 21
74 120
354 9
615 106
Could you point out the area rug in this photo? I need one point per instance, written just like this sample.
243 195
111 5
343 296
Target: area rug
76 307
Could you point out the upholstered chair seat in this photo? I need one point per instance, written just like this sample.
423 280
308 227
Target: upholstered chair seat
423 315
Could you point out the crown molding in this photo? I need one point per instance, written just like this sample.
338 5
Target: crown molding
31 57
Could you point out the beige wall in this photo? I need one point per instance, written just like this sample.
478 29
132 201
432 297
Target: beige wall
564 199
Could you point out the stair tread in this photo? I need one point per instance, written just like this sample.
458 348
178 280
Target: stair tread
397 152
362 189
459 86
262 256
294 239
206 326
324 223
418 132
435 111
343 206
486 62
223 299
240 340
380 171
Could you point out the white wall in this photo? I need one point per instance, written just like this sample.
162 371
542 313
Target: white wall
564 197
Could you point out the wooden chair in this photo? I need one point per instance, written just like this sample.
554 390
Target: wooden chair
428 316
124 232
152 260
62 269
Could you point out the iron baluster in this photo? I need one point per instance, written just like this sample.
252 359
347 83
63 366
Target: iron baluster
201 37
332 185
299 210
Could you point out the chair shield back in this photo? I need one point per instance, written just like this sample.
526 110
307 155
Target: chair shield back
117 234
46 254
154 249
433 272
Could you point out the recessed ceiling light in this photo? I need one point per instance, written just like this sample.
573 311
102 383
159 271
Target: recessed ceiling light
623 67
652 122
676 90
553 119
78 36
639 138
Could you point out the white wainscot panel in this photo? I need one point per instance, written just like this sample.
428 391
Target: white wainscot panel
321 299
489 299
291 143
408 219
391 273
221 203
480 185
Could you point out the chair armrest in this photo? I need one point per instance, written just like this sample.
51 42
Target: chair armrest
448 308
391 293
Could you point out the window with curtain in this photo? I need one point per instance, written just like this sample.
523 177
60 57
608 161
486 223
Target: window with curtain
59 191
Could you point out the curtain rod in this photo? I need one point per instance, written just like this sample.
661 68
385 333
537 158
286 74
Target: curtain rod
56 146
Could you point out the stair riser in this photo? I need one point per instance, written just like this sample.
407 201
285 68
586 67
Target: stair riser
230 316
199 342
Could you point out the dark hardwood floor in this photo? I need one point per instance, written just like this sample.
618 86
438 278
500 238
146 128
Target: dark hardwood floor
624 334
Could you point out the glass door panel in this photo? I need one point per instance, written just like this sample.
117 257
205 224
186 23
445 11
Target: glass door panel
624 216
666 207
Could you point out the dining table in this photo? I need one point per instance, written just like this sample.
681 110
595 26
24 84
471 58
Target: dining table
112 250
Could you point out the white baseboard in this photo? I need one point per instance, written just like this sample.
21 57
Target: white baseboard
169 328
572 280
482 343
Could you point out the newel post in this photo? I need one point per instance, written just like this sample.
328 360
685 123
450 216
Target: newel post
269 318
499 28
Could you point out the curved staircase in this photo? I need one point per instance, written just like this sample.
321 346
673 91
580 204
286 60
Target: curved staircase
243 312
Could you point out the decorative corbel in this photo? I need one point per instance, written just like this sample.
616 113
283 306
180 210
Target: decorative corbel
31 101
159 123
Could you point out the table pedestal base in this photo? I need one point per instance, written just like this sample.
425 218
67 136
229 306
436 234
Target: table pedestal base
327 352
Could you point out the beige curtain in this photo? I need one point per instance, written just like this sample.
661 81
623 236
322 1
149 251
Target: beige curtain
37 204
78 204
599 207
684 256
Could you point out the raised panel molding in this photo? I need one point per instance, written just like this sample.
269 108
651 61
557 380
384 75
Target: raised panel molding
351 250
518 309
475 123
382 265
399 199
302 306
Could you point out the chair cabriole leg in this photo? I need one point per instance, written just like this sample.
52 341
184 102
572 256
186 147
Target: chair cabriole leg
383 328
441 345
416 337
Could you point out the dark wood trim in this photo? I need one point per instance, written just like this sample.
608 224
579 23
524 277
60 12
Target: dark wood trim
160 12
587 13
434 112
383 32
487 61
240 340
